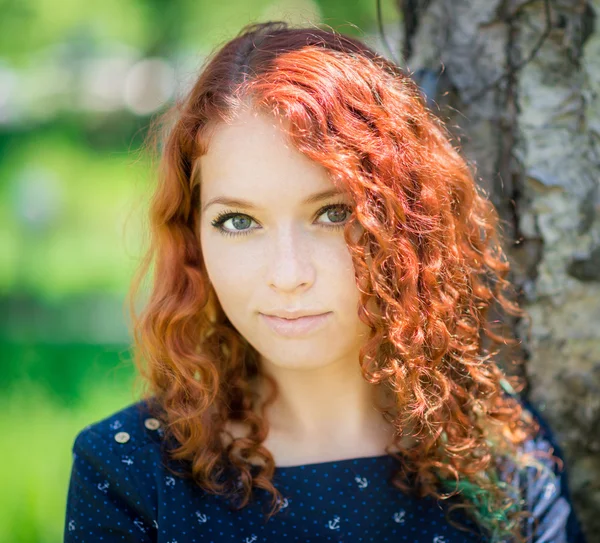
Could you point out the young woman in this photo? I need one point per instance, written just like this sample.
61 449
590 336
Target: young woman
323 264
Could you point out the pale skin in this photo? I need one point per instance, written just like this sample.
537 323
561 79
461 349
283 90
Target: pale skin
283 254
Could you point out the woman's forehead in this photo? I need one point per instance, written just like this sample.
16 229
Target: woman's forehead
253 153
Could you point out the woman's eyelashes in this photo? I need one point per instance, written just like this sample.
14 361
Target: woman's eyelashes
227 215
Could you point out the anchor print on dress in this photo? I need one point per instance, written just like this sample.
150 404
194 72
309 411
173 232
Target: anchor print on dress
399 516
170 481
201 517
71 525
103 487
250 539
127 460
115 425
140 525
362 482
438 539
284 503
334 524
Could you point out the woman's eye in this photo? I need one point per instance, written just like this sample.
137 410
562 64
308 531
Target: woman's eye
240 223
342 210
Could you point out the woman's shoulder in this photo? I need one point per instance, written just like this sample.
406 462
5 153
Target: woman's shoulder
125 443
128 429
114 472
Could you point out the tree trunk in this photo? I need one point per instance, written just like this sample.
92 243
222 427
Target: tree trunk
518 83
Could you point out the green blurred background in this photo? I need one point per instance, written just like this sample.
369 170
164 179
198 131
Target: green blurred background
80 83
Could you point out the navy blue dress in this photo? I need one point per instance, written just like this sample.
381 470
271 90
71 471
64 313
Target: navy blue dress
120 491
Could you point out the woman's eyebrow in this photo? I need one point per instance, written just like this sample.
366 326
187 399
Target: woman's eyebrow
236 202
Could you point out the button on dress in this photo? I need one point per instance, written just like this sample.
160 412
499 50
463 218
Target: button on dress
120 491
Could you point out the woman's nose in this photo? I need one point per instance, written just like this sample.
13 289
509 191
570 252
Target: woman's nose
291 264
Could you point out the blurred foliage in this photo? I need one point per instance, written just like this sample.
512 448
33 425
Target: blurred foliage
160 26
74 182
67 205
64 371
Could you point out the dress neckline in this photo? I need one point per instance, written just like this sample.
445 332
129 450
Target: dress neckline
330 463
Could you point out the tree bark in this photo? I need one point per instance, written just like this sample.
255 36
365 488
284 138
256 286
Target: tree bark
518 83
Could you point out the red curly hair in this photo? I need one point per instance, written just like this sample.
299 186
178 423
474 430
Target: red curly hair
429 258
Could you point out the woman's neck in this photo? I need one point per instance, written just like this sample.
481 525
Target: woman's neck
323 414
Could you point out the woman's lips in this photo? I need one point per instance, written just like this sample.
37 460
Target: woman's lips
296 327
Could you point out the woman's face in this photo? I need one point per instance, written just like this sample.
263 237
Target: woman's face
275 250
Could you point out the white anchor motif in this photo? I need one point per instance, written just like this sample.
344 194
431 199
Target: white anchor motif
71 525
115 425
284 503
103 487
362 482
201 518
170 481
140 525
439 539
127 460
251 539
399 516
334 524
